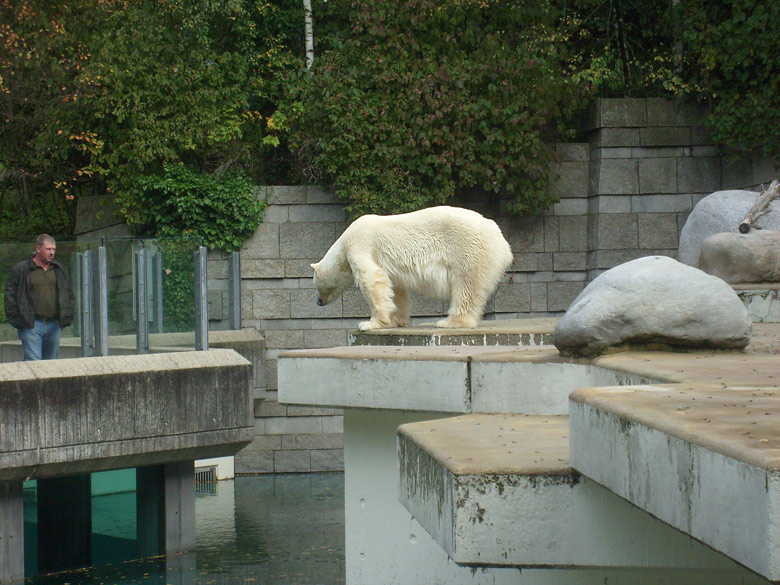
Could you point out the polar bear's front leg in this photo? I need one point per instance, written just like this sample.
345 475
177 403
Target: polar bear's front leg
376 288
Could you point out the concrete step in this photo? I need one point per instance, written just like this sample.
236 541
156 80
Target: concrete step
507 332
498 490
449 379
704 458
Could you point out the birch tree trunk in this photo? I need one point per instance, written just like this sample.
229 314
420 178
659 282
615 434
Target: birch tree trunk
309 33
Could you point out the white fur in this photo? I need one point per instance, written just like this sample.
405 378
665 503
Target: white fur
446 253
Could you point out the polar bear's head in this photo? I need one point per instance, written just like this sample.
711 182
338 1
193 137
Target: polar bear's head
331 284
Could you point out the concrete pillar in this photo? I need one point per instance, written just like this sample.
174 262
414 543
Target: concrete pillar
11 531
166 508
150 511
180 506
64 523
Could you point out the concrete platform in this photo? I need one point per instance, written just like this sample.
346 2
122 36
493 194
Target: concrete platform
499 490
705 458
630 462
451 379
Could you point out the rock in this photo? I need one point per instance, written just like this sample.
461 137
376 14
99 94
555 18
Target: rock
735 257
651 301
721 212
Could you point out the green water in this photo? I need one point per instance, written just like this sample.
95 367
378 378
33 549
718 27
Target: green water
274 530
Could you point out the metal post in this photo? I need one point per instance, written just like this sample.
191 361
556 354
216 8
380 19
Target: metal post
87 346
234 284
101 322
201 300
75 270
158 290
142 323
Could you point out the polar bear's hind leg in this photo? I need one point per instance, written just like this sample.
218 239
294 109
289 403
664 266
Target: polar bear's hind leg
399 317
470 297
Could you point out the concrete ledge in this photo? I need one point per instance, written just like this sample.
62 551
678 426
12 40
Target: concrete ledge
509 332
703 458
71 416
498 490
450 379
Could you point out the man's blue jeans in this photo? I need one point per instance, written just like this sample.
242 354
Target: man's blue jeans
42 342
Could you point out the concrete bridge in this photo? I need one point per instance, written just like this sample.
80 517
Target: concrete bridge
60 420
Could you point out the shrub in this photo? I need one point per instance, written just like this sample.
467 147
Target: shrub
220 211
731 49
421 99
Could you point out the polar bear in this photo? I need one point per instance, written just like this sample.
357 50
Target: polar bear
443 252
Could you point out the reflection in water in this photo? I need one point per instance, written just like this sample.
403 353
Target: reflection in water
258 530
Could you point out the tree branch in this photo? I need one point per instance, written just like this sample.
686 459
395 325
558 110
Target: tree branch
760 208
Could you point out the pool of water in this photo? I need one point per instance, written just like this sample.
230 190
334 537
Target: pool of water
256 530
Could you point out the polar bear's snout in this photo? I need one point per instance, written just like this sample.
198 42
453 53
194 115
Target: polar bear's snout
320 302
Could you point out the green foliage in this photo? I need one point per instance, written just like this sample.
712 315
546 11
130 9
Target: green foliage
622 48
186 101
420 99
178 285
409 102
97 95
731 48
41 144
219 211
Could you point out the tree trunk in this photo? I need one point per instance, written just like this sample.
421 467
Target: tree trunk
309 33
760 208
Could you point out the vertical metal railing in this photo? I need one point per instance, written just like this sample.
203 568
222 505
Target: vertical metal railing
234 285
157 291
91 283
201 299
141 300
101 301
85 315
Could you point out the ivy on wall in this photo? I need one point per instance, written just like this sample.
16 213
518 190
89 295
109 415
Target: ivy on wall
422 98
732 60
219 211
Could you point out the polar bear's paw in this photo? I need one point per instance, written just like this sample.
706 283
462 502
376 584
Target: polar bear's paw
372 324
457 323
399 322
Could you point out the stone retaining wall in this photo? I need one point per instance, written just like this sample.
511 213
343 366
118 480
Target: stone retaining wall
624 194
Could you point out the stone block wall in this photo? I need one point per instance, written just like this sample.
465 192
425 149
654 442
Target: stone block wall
650 162
625 193
278 299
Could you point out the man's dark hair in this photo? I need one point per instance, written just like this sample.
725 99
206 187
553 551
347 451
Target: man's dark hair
44 238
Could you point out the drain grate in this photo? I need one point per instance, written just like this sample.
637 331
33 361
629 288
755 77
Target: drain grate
205 474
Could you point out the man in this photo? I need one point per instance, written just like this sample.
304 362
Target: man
39 301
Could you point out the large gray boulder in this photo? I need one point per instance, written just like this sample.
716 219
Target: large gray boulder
653 300
721 211
735 257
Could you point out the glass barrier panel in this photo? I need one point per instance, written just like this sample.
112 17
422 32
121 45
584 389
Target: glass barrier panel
68 255
171 275
121 301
